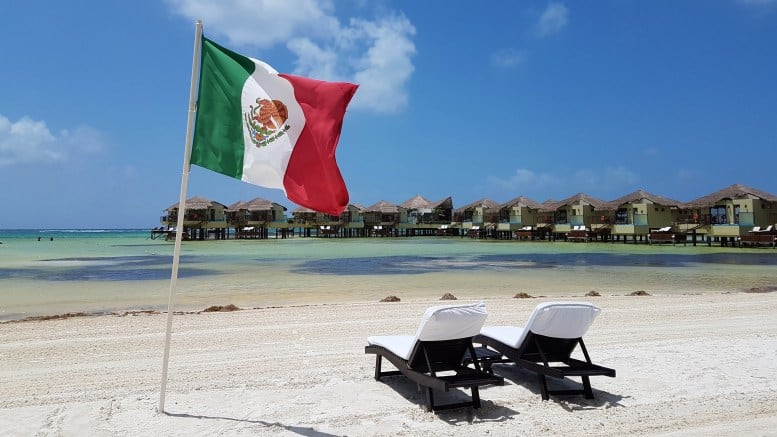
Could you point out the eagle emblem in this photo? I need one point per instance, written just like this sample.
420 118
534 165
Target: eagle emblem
266 121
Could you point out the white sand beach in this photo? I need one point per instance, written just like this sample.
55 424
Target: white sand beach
687 365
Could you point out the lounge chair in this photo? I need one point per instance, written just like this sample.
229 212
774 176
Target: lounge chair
525 232
578 233
665 235
552 333
434 358
442 230
758 237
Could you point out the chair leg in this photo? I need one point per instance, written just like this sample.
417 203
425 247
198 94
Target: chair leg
429 400
543 387
378 359
475 397
589 394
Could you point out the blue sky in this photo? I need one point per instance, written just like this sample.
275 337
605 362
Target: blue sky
463 99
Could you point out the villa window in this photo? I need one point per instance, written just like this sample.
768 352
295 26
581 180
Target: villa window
718 215
622 216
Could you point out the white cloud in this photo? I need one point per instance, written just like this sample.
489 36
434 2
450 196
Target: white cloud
376 54
260 23
553 19
603 180
83 139
529 183
507 58
29 141
542 185
619 177
685 175
386 67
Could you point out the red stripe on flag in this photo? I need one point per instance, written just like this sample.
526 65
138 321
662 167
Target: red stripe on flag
312 177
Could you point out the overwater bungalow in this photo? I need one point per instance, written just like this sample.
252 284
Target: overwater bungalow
478 219
352 221
203 218
519 216
383 218
639 213
309 222
254 218
581 217
425 217
733 212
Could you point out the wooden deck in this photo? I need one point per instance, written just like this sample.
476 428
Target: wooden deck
667 237
755 239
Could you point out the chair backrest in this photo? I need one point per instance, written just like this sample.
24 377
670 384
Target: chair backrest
561 319
448 322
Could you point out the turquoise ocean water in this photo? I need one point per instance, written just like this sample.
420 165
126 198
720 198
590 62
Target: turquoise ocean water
47 272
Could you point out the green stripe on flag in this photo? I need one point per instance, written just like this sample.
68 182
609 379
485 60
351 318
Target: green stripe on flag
218 132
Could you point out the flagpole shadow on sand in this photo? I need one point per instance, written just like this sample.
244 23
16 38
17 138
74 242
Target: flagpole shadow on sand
306 431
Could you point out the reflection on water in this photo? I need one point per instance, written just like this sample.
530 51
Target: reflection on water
388 265
120 268
148 267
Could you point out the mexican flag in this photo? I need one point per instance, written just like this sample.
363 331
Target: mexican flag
270 129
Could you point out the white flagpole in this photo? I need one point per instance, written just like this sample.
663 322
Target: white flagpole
181 206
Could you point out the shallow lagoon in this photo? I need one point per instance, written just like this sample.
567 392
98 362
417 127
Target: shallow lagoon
99 271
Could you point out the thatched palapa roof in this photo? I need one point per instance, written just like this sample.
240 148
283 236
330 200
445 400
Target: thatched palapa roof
579 198
736 191
197 203
257 204
482 203
383 207
642 194
416 202
420 202
521 201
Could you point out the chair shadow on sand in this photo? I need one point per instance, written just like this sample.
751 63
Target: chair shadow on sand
488 412
519 376
301 430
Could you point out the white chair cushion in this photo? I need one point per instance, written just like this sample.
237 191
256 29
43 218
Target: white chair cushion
448 322
444 322
551 319
562 319
400 345
509 335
